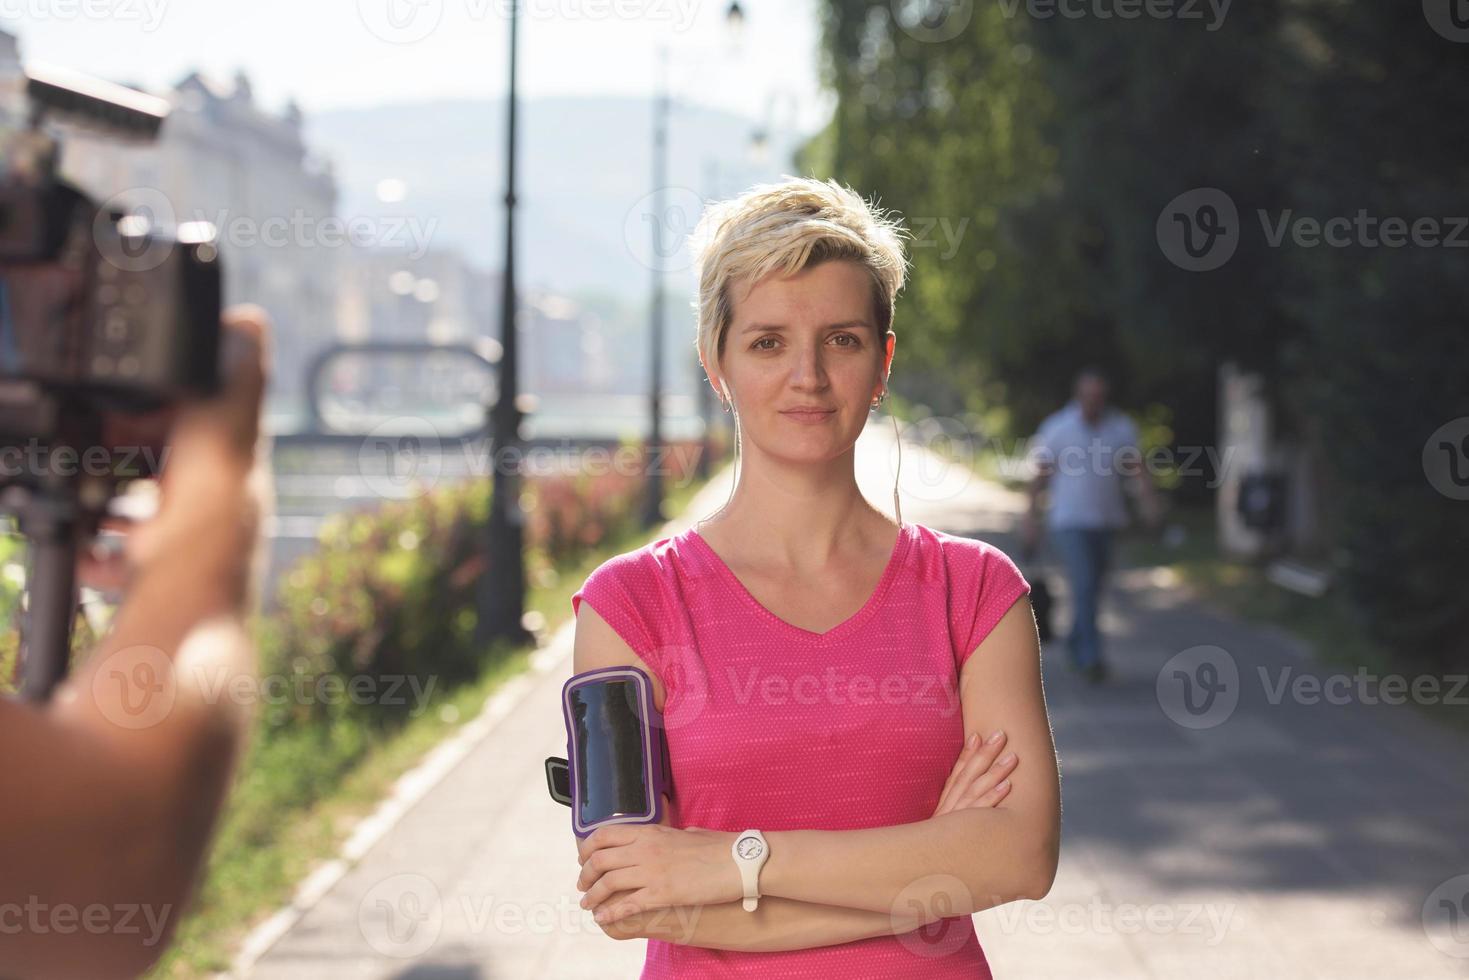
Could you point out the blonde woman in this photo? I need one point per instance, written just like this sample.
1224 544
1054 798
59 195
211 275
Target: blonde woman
856 689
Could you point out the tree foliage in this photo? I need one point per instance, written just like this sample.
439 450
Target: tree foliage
1050 146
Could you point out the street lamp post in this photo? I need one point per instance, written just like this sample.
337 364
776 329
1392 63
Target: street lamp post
501 589
653 510
734 19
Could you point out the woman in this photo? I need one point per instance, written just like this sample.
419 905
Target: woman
828 676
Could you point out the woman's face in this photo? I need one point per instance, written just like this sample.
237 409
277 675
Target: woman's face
806 340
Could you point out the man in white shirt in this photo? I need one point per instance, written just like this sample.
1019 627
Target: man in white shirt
1083 452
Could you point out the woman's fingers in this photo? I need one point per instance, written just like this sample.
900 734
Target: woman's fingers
990 786
971 745
973 763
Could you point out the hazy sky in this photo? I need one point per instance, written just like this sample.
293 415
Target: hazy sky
334 53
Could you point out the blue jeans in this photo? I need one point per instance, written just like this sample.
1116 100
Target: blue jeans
1085 553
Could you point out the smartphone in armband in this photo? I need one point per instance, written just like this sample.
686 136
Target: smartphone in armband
616 768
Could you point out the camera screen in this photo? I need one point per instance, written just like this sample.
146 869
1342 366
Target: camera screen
611 764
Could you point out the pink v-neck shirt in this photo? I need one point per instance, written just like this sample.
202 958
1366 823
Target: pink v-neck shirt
776 727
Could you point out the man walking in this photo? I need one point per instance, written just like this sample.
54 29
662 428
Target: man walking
1082 452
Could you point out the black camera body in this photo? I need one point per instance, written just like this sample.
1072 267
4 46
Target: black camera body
100 312
107 322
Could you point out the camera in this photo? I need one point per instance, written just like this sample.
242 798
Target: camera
101 313
108 321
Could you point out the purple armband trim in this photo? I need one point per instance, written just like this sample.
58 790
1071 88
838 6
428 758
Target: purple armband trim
640 775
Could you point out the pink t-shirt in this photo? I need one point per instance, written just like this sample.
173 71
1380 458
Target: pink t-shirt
777 727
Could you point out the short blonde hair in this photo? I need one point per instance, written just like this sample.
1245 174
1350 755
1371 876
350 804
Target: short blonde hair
788 226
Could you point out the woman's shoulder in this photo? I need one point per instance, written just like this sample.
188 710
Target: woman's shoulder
645 567
959 551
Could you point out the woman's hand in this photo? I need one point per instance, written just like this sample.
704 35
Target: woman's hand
980 777
631 868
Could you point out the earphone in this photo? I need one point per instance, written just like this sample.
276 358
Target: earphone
897 506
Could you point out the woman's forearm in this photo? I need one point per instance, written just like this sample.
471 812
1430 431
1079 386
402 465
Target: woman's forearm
956 863
777 924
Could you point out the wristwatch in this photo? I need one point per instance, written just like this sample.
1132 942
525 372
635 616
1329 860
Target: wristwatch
750 852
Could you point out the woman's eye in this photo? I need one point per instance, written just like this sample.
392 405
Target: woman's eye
854 341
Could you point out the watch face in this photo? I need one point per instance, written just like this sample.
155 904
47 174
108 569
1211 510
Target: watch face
750 848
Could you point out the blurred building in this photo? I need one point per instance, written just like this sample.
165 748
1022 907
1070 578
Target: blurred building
221 158
393 294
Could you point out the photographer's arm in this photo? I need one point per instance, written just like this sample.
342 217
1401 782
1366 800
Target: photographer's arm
120 778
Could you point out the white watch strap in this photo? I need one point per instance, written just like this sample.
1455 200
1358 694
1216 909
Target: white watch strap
750 862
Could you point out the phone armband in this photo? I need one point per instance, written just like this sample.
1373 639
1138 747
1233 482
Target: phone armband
617 767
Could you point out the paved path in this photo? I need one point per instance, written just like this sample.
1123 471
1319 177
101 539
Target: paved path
1244 836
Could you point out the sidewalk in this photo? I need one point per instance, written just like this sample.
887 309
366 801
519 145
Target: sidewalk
1280 838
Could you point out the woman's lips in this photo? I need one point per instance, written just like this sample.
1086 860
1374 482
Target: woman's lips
809 418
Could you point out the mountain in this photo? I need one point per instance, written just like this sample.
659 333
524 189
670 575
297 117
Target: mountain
584 170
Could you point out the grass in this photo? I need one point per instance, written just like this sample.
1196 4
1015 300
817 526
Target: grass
249 879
